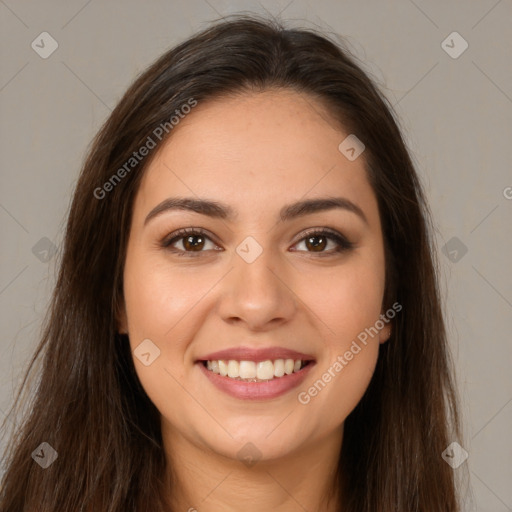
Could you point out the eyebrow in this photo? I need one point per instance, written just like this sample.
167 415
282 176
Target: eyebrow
219 210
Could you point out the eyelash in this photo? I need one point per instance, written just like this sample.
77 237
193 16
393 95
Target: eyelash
343 243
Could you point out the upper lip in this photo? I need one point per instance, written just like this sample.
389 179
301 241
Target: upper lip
256 354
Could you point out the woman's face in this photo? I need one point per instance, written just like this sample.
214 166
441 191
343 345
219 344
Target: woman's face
256 283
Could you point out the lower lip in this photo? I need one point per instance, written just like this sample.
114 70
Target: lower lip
257 390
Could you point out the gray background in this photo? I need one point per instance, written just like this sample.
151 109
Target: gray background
456 114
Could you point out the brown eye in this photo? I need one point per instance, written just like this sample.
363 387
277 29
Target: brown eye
192 241
317 242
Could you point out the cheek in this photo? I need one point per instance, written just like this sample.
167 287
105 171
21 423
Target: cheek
160 307
347 299
336 392
158 299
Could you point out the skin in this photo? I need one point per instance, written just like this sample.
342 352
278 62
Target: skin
255 152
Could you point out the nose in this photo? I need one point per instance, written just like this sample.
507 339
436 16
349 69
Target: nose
258 294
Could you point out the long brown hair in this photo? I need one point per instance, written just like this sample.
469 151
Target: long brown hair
89 405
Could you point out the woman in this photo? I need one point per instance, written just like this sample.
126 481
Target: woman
247 314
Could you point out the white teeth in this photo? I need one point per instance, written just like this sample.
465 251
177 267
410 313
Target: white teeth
265 370
249 370
223 368
288 366
214 366
233 369
279 367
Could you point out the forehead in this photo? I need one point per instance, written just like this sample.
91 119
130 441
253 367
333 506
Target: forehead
273 147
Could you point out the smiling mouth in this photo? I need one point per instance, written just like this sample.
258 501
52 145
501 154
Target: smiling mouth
251 371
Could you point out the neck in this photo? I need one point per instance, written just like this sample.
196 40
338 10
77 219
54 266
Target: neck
205 481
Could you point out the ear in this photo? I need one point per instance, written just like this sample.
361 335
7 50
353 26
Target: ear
385 332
